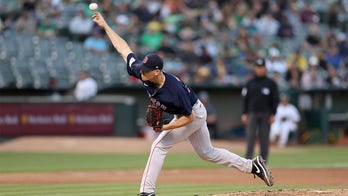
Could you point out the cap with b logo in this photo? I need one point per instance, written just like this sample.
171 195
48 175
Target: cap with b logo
151 62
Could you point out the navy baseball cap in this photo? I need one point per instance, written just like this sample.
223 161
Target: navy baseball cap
260 62
151 62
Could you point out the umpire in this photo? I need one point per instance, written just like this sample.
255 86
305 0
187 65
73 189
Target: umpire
260 101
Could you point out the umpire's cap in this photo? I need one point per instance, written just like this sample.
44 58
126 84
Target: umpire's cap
151 62
260 62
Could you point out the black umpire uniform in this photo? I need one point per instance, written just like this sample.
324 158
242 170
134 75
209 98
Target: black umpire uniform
260 101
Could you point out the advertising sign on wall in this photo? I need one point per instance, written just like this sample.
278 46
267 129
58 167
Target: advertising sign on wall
56 119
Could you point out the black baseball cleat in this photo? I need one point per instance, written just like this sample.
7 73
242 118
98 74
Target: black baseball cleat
146 194
260 169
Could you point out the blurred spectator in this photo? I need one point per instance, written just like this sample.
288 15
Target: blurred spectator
292 12
322 62
260 7
187 53
86 87
243 53
10 8
45 9
211 114
275 62
293 75
222 75
5 23
187 34
168 45
54 94
308 15
240 30
285 29
207 47
47 28
243 38
249 23
26 23
210 18
330 40
174 65
333 14
258 45
28 5
241 10
312 77
313 38
267 25
107 6
125 22
173 22
142 12
277 9
204 57
286 121
334 58
298 59
343 46
96 43
333 79
80 26
171 7
202 74
280 81
152 37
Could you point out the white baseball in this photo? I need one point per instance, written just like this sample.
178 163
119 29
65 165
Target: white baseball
93 6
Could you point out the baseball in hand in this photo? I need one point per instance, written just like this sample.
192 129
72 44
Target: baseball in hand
93 6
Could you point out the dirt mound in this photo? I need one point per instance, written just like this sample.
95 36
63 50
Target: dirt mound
331 192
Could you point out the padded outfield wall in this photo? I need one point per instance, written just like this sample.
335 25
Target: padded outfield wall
118 111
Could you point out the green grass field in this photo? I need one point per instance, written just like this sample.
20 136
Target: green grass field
294 157
131 189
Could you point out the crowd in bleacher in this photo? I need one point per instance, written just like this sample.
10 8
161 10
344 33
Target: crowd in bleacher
305 43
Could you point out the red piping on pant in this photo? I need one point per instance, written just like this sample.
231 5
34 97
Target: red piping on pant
150 158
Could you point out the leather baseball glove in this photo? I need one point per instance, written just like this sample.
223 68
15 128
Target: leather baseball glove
153 117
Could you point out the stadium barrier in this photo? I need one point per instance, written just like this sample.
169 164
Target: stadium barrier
324 112
40 116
